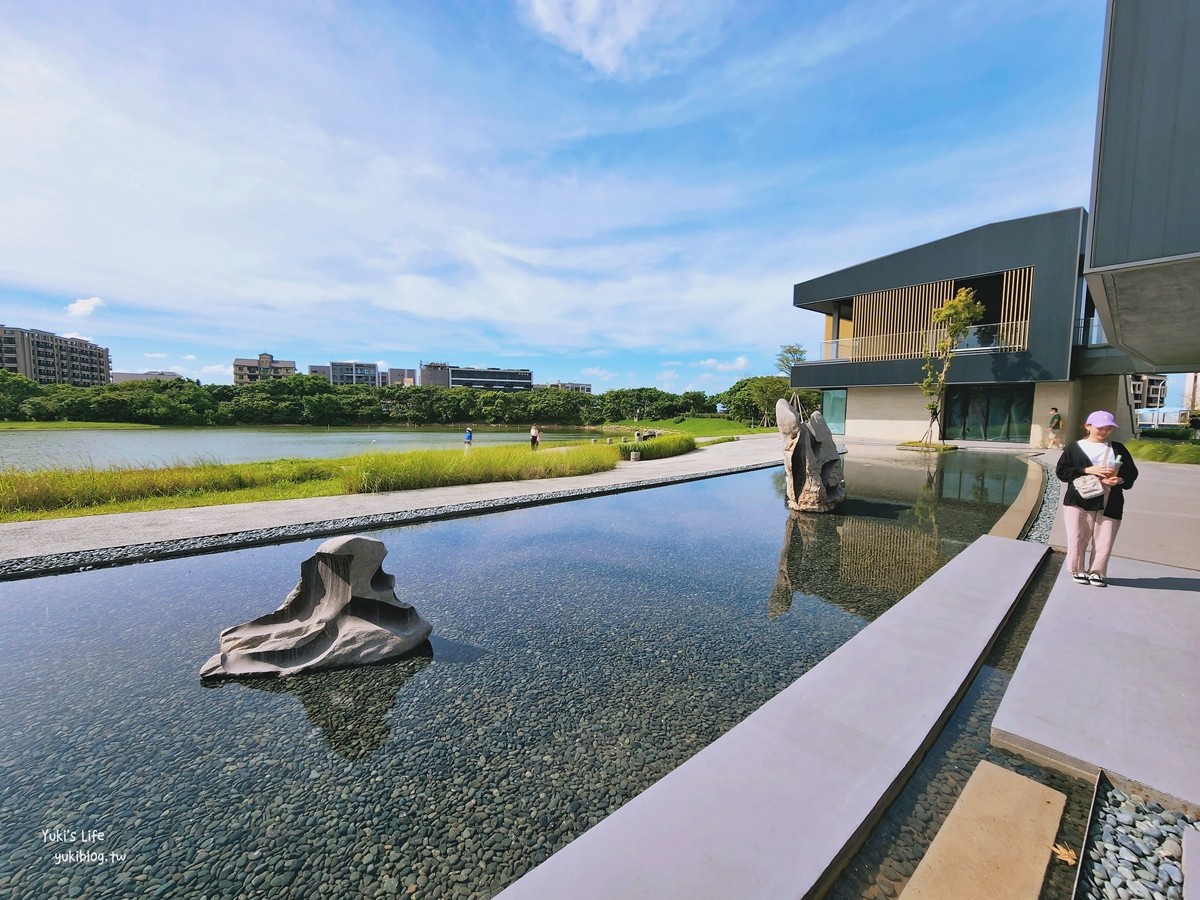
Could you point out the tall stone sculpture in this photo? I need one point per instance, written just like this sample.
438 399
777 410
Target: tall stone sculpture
812 464
343 612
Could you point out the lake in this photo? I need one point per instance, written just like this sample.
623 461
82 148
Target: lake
159 447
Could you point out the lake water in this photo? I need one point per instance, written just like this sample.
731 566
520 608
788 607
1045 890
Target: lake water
581 651
170 446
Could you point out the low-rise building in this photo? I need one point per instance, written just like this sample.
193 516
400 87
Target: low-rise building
122 377
52 359
440 374
265 368
572 386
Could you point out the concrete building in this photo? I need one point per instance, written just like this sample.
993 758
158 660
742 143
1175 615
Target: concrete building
440 374
1191 391
122 377
50 359
265 368
364 373
1149 391
572 386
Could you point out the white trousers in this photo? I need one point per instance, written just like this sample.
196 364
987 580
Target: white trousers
1089 527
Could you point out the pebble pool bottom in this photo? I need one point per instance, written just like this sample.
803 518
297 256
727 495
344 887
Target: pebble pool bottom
581 651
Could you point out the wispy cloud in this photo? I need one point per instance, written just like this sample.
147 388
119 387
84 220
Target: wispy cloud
76 334
598 373
156 355
740 364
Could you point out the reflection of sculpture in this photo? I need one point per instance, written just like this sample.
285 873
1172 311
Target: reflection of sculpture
351 708
810 457
343 612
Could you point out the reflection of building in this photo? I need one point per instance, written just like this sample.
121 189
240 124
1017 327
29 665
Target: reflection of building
439 374
50 359
1149 391
122 377
265 368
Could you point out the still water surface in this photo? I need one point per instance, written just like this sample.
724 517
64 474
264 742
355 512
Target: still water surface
581 651
159 447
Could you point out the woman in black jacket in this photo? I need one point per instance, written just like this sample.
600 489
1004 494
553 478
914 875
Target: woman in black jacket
1094 520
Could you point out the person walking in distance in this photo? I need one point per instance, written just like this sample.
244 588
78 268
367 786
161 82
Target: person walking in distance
535 437
1055 426
1094 520
468 437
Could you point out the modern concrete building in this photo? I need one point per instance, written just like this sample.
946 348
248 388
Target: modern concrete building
265 368
1143 251
122 377
364 373
1149 391
50 359
1038 345
440 374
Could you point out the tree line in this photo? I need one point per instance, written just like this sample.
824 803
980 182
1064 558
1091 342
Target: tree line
312 400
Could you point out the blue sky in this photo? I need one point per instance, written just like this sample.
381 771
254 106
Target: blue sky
614 191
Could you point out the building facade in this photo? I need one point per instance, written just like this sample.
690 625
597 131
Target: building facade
122 377
50 359
1149 391
265 368
572 386
440 374
1038 345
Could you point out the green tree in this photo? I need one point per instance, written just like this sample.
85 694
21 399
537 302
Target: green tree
15 390
950 324
788 356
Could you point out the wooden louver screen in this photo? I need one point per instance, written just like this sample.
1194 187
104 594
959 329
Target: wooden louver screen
1014 308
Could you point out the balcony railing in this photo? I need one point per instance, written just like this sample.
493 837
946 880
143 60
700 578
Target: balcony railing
1006 336
1090 333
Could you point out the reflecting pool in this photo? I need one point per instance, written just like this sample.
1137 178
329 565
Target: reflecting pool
581 651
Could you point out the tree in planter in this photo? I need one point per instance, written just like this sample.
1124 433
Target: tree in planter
950 324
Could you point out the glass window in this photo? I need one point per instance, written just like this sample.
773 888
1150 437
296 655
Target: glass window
833 408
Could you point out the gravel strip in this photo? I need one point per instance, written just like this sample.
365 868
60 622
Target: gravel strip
34 566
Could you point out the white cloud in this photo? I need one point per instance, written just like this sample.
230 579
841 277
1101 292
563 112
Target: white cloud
76 334
738 364
218 369
599 374
155 355
189 356
84 307
628 38
668 377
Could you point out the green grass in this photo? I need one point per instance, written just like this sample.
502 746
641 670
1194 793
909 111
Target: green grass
694 427
929 448
1165 451
59 493
660 447
6 425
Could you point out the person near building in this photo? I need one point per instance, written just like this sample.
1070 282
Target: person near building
1055 428
1093 521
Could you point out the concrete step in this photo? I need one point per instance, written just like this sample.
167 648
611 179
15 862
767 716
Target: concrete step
996 842
772 808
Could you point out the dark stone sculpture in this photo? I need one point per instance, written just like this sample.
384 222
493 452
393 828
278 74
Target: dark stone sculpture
343 612
812 464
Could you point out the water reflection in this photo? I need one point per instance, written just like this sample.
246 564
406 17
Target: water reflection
350 706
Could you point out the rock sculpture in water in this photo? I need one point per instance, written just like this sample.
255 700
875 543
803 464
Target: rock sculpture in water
344 612
812 465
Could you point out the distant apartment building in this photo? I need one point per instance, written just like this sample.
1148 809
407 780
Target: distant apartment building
1191 391
1149 391
50 359
265 368
439 374
364 373
572 386
122 377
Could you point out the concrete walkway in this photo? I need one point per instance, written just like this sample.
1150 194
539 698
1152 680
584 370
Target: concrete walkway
1110 678
128 537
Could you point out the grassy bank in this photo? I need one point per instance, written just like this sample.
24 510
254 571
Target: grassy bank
58 493
694 427
1165 451
5 425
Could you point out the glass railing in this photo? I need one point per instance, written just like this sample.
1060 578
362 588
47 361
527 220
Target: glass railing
1090 333
1013 335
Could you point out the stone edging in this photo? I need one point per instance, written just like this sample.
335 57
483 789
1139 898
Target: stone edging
34 566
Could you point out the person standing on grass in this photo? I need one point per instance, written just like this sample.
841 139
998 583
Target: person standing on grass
1094 521
468 437
1055 441
535 437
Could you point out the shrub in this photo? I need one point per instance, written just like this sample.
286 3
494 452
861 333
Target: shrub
1166 434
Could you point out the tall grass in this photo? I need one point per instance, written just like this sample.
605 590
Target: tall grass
104 490
660 447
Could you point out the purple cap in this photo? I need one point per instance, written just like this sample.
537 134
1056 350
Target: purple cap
1102 419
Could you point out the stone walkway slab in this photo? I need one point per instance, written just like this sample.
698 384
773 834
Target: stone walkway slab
1110 679
996 842
770 809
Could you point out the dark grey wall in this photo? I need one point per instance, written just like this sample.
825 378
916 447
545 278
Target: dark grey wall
1146 185
1052 243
